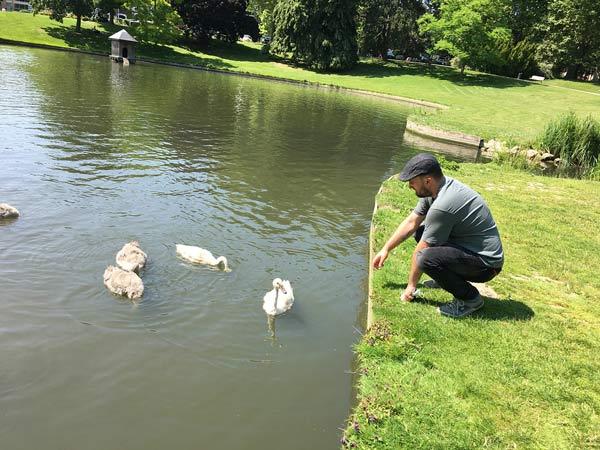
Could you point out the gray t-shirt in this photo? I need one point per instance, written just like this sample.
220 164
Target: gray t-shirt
459 216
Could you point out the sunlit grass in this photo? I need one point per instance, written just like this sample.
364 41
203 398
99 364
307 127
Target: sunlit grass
578 85
522 373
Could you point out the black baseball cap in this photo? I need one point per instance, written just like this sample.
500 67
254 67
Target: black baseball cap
420 164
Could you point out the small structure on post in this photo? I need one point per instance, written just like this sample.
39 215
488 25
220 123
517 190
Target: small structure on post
122 47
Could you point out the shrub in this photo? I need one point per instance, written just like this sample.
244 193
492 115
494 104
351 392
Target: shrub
518 160
514 59
576 141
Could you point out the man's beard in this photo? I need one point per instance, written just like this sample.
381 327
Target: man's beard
424 193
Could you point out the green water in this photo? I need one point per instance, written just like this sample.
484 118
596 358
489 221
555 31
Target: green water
279 178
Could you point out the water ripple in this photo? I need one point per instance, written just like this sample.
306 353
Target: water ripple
280 179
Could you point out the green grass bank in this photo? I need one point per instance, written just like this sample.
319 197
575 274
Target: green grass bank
480 104
520 373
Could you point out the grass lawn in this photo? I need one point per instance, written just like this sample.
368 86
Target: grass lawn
521 373
588 87
481 104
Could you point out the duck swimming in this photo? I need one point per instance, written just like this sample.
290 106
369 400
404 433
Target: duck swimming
131 257
123 282
201 256
280 299
7 211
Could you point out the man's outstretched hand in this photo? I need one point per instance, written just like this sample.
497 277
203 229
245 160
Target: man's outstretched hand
380 258
409 294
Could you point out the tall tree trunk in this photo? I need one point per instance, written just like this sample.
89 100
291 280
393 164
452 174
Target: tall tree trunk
78 25
571 72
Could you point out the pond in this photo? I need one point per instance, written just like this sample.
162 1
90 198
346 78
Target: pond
279 178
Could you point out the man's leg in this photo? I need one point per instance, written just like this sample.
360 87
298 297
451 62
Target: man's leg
452 268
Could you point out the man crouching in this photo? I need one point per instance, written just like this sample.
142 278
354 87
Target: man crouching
458 240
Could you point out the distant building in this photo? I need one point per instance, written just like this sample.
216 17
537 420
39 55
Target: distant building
122 47
15 5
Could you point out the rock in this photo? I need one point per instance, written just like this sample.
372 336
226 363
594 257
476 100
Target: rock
547 157
123 282
531 154
493 145
515 150
7 211
485 290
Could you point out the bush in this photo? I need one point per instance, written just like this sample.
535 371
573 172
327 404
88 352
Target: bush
517 160
514 59
321 34
576 141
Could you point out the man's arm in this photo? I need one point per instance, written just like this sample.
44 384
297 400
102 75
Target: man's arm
415 274
403 232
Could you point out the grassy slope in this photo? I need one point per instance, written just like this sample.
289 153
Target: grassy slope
522 373
577 85
479 104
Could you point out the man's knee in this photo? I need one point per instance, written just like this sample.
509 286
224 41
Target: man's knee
425 259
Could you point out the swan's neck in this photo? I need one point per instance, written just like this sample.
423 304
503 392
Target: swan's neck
222 261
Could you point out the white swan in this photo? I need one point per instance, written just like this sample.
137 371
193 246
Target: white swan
201 256
280 299
131 257
7 211
123 282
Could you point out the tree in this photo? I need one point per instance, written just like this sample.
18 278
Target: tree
384 24
109 6
515 59
571 37
203 19
263 10
473 31
158 21
319 33
525 15
60 8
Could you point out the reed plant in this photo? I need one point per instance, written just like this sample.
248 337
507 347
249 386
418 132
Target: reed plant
577 142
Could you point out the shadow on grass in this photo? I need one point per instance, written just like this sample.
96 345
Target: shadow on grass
96 40
504 309
493 308
91 40
377 69
227 50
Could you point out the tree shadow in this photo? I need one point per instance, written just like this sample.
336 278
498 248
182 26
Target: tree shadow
87 39
376 69
234 51
96 40
493 308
